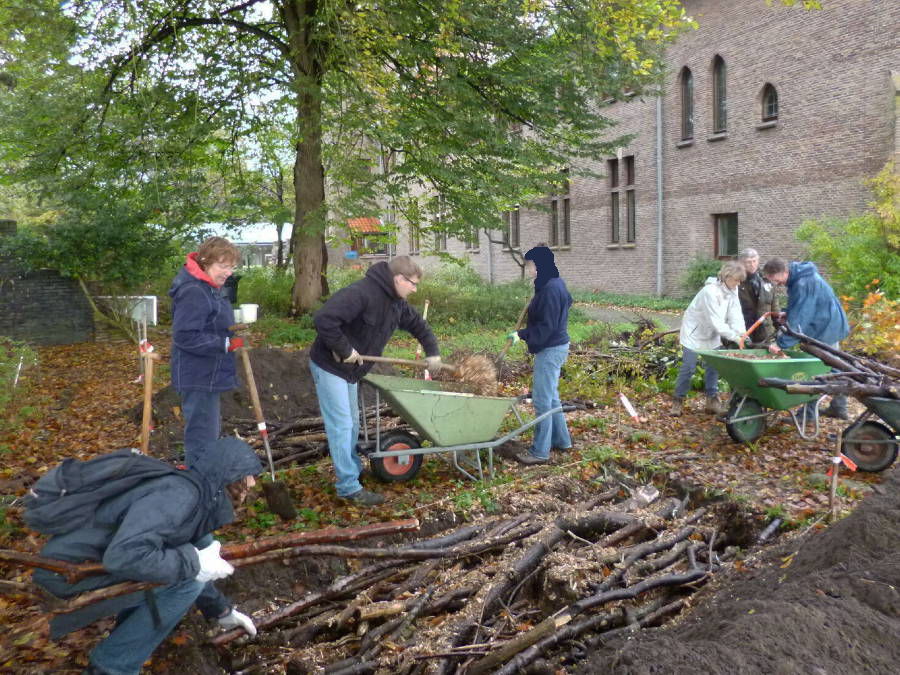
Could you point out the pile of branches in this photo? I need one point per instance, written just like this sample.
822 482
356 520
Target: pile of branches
302 440
856 376
498 595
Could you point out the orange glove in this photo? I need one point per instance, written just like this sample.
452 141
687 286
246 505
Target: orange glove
235 343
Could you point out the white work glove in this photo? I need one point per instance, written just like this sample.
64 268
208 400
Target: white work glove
236 619
514 336
353 358
212 565
433 363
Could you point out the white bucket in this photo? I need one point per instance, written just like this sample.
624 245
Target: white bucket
248 313
238 316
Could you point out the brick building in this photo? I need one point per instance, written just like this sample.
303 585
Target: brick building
770 116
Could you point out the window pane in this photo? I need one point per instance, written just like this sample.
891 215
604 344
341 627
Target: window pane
629 170
614 205
613 172
566 224
770 103
631 209
727 234
719 103
514 226
554 223
687 104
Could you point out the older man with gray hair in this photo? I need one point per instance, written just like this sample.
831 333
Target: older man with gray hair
757 296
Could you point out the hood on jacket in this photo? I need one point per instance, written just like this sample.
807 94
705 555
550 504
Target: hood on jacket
800 270
191 271
542 257
381 274
224 461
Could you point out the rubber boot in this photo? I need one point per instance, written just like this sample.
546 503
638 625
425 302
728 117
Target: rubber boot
714 406
677 407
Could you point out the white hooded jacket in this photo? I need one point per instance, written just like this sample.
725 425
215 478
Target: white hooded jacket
713 315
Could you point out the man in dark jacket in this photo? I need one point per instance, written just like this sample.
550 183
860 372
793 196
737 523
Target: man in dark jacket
203 365
546 334
159 531
360 319
814 310
757 296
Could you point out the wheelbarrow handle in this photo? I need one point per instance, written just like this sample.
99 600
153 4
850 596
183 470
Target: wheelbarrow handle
405 362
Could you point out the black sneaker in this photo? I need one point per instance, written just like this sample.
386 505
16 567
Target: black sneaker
528 459
365 498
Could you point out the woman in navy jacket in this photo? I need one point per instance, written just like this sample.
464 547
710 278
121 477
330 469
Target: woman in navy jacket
203 365
547 337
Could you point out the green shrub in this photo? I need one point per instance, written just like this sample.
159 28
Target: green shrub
858 250
696 274
268 287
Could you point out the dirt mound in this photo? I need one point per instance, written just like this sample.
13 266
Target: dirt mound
824 603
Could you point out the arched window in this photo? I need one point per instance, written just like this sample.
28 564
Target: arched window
720 110
687 104
769 103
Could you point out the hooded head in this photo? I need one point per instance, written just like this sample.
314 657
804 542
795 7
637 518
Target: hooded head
542 257
224 461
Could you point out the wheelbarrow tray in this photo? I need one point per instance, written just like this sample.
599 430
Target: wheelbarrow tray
887 409
439 414
743 374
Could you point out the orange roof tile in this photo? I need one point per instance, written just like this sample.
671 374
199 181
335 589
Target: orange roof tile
364 225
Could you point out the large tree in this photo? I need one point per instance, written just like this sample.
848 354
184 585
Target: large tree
446 111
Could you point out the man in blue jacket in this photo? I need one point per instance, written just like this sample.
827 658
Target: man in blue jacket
159 531
546 334
360 319
813 309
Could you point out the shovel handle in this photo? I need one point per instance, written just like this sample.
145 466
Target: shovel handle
257 406
405 362
756 324
509 341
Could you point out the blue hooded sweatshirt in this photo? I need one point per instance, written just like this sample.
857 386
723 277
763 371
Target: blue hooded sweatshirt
813 309
548 312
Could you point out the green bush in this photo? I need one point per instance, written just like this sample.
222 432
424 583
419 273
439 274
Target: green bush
696 274
861 249
268 287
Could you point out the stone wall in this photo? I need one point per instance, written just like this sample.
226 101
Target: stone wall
41 307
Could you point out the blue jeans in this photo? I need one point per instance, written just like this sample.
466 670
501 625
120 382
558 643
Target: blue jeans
686 372
136 634
340 412
545 394
202 421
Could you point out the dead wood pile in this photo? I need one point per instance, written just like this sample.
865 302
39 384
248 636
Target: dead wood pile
497 595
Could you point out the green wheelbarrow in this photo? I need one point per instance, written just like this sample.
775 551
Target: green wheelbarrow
752 405
457 423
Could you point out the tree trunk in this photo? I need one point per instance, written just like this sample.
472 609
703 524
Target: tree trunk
307 237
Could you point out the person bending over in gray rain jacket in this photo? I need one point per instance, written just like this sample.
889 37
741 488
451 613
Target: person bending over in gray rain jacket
159 531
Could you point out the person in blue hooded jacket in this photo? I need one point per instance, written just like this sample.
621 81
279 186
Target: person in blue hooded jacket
813 309
159 531
546 334
202 362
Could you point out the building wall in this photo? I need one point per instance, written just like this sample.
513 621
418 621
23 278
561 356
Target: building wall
836 127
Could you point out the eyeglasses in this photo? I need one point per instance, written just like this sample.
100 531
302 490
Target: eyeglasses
415 284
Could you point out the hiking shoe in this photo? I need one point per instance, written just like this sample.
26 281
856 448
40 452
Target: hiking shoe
677 407
365 498
837 413
528 459
713 406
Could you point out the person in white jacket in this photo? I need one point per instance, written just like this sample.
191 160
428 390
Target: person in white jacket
714 315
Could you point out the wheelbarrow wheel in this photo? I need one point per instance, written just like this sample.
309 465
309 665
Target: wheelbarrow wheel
401 467
871 445
745 431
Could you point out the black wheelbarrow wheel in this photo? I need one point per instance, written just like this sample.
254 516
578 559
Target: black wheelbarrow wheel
401 467
871 445
745 431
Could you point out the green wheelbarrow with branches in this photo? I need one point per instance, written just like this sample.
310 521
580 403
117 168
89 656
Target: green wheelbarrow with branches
752 405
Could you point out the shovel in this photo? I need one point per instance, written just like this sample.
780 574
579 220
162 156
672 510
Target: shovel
509 341
148 357
277 496
450 368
